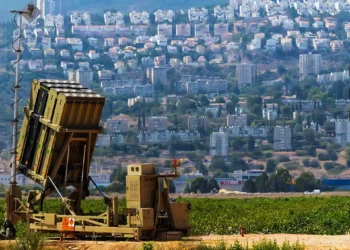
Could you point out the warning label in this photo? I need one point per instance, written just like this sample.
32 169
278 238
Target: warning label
68 224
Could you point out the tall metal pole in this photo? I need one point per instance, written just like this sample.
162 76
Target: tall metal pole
16 100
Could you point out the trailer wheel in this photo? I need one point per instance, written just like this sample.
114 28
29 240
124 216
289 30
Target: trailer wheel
10 231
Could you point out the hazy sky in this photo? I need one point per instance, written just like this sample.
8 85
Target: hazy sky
7 5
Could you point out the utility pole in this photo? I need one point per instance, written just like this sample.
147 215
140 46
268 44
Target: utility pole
13 193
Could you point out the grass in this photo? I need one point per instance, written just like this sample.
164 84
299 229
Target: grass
221 245
291 166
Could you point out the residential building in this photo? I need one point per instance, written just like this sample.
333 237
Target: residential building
237 120
197 123
157 75
84 77
114 126
111 18
333 77
342 132
157 123
219 144
220 29
183 30
245 73
165 30
201 30
269 111
197 15
139 17
282 138
150 137
207 85
235 131
164 15
310 64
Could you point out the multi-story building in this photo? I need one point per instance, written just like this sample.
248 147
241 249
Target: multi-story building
197 123
269 111
219 144
201 30
165 30
310 64
342 132
84 77
113 18
209 85
237 120
197 15
164 15
183 30
139 17
282 138
114 126
157 123
49 7
235 131
149 137
301 105
220 29
157 74
333 77
245 73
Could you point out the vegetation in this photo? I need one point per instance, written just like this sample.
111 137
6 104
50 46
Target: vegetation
301 215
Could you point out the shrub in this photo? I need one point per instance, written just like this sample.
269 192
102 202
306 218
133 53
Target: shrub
28 240
147 246
283 158
268 154
314 164
322 156
328 165
306 162
291 166
300 152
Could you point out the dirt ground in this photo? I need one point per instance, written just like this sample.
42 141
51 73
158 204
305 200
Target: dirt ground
311 242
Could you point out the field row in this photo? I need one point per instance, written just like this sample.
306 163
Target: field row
300 215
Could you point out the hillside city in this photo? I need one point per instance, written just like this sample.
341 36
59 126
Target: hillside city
245 94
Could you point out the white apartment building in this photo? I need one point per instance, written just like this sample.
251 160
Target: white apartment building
164 15
342 132
245 73
197 15
269 111
111 18
165 30
282 138
146 137
237 120
310 64
114 126
157 123
235 131
219 144
333 77
139 17
197 123
183 30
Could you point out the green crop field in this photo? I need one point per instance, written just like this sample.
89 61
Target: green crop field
302 215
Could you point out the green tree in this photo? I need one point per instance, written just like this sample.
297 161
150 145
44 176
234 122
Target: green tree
218 163
202 169
271 165
116 186
261 183
251 143
249 186
306 182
